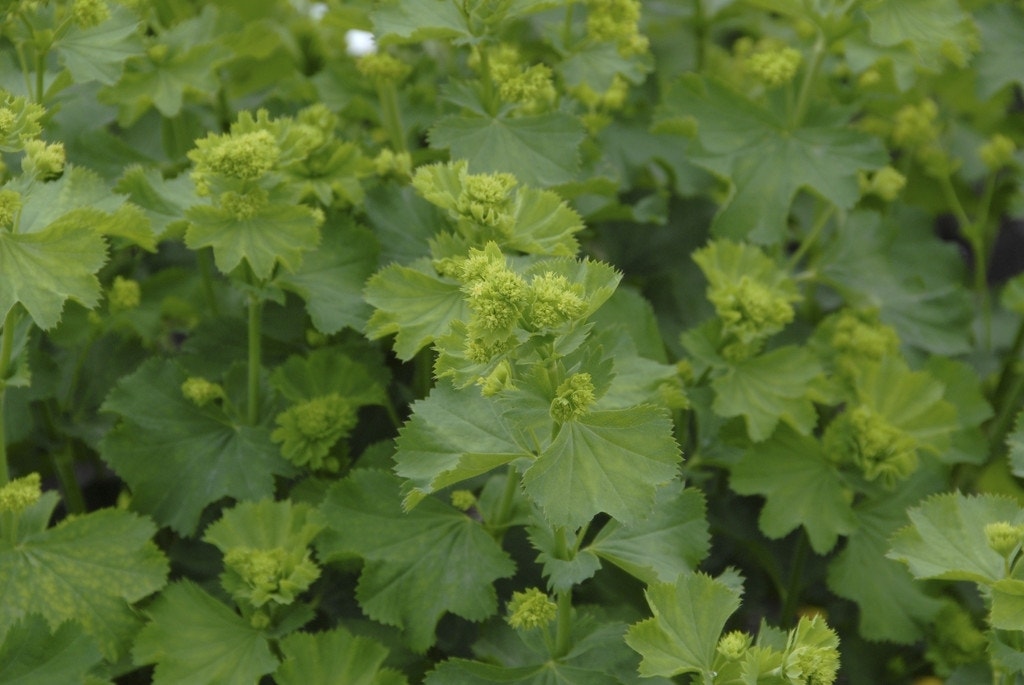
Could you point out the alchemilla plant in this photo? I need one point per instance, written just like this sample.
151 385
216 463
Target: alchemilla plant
459 342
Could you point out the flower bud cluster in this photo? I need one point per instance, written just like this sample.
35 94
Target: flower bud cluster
20 493
1004 537
200 391
10 207
751 311
916 126
812 655
43 161
857 338
388 162
124 294
573 398
956 640
487 199
383 68
775 67
496 294
310 429
886 183
89 13
733 645
617 21
865 439
260 576
19 121
463 500
531 88
997 152
531 608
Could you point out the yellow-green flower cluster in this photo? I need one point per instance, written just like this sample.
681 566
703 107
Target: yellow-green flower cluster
531 88
616 21
260 576
124 294
463 500
499 379
19 121
733 645
553 300
200 391
20 493
531 609
383 68
955 639
775 67
246 156
89 13
244 206
751 311
388 162
867 440
1004 537
857 338
43 161
310 429
885 183
812 656
997 152
10 206
916 126
573 398
495 293
487 199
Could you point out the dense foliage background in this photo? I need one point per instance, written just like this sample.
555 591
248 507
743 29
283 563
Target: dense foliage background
540 341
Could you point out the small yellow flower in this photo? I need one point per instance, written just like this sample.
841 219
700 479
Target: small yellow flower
531 609
20 493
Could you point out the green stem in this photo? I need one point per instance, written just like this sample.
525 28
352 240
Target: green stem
6 350
974 231
423 378
499 524
700 29
567 25
40 73
824 214
803 100
391 116
205 262
64 464
487 82
1006 373
1007 411
789 604
255 320
563 628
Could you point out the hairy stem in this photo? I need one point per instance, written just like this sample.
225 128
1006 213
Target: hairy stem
391 116
205 262
499 524
563 627
795 582
64 465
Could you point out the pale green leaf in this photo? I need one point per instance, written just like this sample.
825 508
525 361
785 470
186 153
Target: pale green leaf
45 268
419 565
800 486
689 616
946 537
277 233
194 638
540 150
330 370
451 436
597 65
606 461
562 574
332 658
1002 53
331 278
413 303
32 654
165 438
766 389
405 21
265 525
1008 604
672 541
930 27
767 160
98 53
163 200
1015 443
88 569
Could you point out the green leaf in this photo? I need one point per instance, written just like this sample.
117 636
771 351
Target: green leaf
539 150
931 27
32 654
265 525
767 160
88 569
597 64
902 269
606 461
45 268
1008 604
769 388
672 541
419 565
98 53
1015 443
415 304
194 638
329 370
562 574
165 438
405 21
331 278
800 487
452 436
402 221
1002 40
276 233
163 200
688 620
946 537
893 606
334 657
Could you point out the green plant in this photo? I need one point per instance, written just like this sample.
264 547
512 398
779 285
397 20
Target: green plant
550 341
